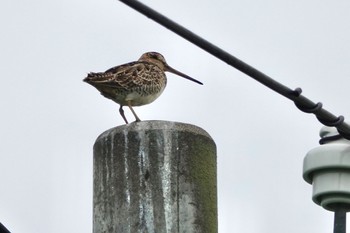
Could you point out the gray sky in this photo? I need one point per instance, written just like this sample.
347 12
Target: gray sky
50 118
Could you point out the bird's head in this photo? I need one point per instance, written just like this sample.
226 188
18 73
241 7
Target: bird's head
155 58
159 60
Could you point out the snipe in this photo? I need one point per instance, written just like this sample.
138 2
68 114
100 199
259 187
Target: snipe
135 83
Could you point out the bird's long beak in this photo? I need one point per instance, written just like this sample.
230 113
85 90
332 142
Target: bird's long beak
172 70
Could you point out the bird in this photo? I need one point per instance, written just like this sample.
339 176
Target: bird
135 83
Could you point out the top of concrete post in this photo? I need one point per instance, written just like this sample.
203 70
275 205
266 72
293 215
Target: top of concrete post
157 125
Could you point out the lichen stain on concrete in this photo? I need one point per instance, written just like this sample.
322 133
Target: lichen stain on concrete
203 171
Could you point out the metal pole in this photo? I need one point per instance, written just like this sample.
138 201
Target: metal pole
340 221
155 177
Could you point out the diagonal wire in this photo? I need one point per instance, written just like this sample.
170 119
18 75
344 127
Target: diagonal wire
301 102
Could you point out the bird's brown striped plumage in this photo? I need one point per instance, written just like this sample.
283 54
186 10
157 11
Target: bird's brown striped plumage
135 83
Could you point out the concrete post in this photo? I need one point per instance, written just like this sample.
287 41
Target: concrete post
155 177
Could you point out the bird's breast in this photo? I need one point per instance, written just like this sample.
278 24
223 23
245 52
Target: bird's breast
144 96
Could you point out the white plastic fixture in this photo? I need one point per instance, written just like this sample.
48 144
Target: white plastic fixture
327 168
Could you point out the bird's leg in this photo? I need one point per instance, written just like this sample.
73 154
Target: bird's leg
121 111
133 112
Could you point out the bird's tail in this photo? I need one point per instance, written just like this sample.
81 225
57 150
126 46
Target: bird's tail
98 78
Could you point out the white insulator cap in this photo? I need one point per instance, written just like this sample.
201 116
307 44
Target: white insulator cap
327 168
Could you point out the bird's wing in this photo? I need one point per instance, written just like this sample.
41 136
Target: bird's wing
133 75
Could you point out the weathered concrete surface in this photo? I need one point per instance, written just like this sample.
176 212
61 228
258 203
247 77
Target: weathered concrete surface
155 176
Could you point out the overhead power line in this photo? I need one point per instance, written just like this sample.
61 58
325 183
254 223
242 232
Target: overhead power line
302 103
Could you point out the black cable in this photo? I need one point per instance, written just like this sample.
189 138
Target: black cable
303 103
3 229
